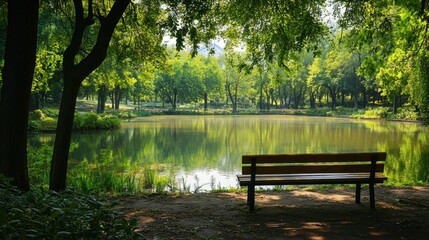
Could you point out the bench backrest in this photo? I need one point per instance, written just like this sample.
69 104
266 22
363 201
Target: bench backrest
314 163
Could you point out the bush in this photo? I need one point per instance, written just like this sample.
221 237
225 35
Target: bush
48 123
317 112
34 125
109 122
407 114
51 215
92 121
380 112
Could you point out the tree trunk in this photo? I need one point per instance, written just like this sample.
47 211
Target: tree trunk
261 97
312 100
234 108
20 58
102 95
63 136
267 94
174 101
112 99
231 97
205 101
74 73
364 98
395 105
117 96
333 95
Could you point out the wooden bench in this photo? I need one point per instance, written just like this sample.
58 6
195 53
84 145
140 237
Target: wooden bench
310 169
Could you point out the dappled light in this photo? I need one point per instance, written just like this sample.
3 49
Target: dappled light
278 94
303 214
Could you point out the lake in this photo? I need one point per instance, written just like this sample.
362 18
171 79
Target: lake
206 150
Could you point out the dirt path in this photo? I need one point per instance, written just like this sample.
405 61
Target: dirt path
401 213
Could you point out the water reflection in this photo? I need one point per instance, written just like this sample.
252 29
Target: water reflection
210 147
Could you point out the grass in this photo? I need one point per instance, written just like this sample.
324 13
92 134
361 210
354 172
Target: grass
102 179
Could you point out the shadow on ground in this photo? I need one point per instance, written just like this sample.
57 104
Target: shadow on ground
401 213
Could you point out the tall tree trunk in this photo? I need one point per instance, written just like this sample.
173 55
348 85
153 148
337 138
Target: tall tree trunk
364 98
234 109
333 95
102 95
267 94
20 59
174 101
205 101
112 99
395 104
261 97
117 96
63 136
74 74
232 97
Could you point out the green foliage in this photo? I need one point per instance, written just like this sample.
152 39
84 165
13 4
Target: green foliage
39 162
317 112
93 121
272 30
149 177
381 112
407 113
42 120
51 215
46 120
126 114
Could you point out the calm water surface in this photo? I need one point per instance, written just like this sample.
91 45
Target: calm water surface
207 149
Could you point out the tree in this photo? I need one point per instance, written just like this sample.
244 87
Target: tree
341 67
316 78
20 57
168 82
235 79
392 30
75 70
144 88
211 79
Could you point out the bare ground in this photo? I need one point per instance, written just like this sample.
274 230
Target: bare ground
401 213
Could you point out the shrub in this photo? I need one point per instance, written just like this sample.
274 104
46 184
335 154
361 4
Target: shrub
109 122
380 112
48 123
407 114
78 121
92 121
34 125
316 112
51 215
36 115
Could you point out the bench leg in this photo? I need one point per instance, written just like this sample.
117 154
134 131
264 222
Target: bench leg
371 195
251 197
357 195
248 195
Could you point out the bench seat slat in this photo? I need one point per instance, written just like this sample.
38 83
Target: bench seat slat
312 168
320 157
298 179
